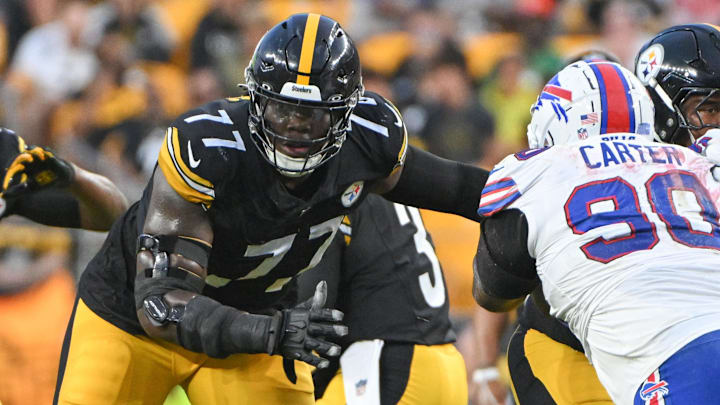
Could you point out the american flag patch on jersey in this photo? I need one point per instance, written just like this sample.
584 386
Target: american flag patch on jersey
587 119
497 195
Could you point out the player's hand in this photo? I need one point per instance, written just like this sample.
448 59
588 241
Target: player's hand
33 169
304 328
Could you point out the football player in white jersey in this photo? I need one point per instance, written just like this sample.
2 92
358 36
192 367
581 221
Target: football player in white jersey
621 233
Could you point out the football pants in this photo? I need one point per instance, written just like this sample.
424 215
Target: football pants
102 364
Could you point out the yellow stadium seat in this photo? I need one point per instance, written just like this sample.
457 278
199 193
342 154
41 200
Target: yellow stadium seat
482 52
384 53
278 10
455 241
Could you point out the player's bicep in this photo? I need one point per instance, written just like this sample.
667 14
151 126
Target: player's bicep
169 213
173 254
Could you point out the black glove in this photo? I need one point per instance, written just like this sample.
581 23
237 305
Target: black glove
33 169
301 330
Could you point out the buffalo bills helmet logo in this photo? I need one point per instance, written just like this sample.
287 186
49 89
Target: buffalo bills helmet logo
552 93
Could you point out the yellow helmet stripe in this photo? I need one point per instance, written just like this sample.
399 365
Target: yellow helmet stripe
178 174
308 48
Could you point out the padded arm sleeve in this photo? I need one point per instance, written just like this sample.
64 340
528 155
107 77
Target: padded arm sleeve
219 330
52 207
429 181
503 263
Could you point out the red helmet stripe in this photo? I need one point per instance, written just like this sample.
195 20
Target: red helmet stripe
613 92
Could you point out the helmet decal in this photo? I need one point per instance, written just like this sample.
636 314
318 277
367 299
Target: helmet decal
552 92
303 92
649 63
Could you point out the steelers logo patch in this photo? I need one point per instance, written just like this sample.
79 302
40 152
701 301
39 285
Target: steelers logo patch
649 63
352 193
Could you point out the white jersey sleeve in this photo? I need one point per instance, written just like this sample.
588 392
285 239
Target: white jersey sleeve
510 178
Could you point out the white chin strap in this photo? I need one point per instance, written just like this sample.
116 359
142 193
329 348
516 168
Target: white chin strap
290 166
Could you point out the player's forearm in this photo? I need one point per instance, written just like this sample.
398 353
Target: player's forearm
487 330
456 186
206 326
100 201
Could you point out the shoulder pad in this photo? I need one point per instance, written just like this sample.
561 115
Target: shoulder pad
378 123
194 156
510 178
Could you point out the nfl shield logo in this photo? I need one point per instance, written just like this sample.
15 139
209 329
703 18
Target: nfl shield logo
582 133
360 387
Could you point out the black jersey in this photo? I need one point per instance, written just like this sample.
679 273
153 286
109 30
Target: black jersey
391 285
263 235
532 317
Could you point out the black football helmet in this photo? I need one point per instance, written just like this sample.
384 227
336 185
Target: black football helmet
680 62
306 66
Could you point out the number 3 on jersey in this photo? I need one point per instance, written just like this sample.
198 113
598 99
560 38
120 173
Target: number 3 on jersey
434 294
677 197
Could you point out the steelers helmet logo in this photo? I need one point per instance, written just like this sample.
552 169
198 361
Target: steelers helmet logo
649 63
3 206
352 193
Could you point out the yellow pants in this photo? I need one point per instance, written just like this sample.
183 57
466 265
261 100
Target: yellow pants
437 377
552 372
106 365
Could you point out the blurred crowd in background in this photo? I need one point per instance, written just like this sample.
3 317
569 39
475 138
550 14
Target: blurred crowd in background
99 80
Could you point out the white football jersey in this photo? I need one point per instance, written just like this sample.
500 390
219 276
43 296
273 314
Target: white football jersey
626 238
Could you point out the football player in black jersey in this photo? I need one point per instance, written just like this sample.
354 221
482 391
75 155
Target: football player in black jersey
391 288
546 361
49 190
193 284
